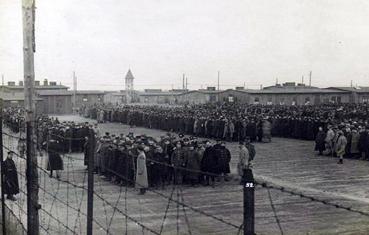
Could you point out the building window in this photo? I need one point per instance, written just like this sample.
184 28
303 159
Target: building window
270 100
339 99
294 101
212 98
257 100
84 99
230 99
307 100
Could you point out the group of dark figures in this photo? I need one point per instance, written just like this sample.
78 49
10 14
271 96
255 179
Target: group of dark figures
349 140
143 161
231 122
52 137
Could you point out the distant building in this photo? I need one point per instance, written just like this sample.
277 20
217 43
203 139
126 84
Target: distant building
13 87
159 97
129 86
288 93
60 102
13 94
56 101
17 100
357 94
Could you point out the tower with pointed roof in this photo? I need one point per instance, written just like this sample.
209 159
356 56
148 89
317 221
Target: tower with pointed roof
129 86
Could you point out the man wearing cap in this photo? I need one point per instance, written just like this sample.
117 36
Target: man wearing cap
243 159
178 162
141 172
209 164
193 164
340 146
55 162
354 150
224 158
329 140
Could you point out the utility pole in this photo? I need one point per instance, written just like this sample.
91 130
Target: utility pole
74 91
28 10
310 78
186 82
218 79
2 178
302 79
2 79
90 184
183 81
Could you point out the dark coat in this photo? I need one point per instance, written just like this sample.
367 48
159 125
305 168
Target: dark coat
320 141
55 161
209 162
11 186
224 158
193 164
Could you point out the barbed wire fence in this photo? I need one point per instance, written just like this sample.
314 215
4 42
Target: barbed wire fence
63 199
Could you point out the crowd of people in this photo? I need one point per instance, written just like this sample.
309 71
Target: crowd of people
143 161
350 140
335 128
140 161
232 122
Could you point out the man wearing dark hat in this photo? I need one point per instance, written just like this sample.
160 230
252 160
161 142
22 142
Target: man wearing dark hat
209 164
11 186
193 164
224 158
55 162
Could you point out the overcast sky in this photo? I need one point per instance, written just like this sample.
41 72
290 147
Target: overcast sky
249 42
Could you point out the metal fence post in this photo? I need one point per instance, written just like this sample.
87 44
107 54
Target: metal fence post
90 168
248 202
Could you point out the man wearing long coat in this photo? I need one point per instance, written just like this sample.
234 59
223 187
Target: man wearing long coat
209 164
142 182
178 161
243 159
11 186
340 146
193 165
320 141
55 162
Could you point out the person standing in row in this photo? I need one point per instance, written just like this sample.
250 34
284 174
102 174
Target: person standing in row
320 141
340 146
142 182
